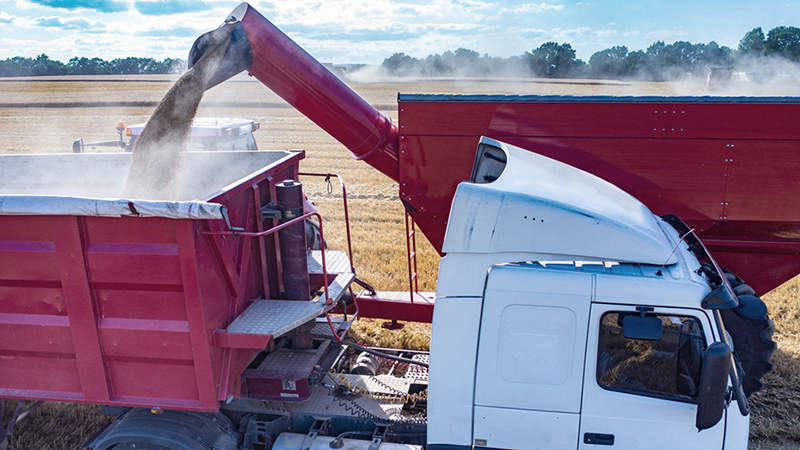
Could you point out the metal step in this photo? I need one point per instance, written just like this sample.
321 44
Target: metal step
277 317
338 287
323 328
335 261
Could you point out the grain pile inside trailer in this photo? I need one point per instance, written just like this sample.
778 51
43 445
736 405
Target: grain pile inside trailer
102 176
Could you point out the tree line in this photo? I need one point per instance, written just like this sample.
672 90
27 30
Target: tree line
42 65
659 62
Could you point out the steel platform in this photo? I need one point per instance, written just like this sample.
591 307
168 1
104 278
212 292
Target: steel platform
265 320
277 317
335 261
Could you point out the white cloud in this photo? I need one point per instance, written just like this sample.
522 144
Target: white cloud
7 18
75 23
25 5
531 8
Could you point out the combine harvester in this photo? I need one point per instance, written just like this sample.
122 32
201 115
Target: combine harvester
567 314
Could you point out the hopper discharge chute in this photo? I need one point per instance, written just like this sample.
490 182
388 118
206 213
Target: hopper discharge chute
269 55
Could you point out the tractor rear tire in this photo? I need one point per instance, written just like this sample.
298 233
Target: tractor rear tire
752 337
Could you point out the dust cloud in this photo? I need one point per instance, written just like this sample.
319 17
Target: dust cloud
157 154
758 77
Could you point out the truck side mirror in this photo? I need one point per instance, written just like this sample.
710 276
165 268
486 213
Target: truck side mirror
713 385
642 327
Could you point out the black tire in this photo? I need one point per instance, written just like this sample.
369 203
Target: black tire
752 338
139 447
744 289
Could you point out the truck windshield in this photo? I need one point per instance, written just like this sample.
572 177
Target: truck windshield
666 368
216 143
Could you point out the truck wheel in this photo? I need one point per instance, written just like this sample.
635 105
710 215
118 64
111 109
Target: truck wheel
140 429
751 330
138 447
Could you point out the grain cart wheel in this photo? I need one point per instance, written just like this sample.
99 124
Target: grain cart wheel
751 330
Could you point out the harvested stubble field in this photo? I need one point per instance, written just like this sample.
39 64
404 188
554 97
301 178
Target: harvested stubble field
45 115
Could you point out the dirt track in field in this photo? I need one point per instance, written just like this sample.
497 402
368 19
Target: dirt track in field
46 115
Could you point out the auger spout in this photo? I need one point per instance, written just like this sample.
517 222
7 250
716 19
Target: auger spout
288 70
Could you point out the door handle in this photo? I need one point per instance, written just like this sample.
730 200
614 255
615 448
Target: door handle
598 439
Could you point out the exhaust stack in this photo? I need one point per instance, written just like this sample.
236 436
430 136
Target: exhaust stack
275 60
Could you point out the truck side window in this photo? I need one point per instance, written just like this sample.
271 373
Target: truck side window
667 368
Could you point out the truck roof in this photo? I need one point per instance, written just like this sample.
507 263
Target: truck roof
545 207
207 126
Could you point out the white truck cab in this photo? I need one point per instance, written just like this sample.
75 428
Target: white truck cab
549 277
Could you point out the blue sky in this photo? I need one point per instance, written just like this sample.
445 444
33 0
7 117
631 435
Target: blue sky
367 31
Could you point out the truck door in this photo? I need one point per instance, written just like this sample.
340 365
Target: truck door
530 358
643 393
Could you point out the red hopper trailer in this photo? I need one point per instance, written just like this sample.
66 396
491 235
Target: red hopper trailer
128 302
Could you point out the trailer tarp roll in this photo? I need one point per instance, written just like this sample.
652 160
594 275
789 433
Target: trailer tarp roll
85 206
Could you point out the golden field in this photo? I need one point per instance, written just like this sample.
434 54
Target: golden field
45 115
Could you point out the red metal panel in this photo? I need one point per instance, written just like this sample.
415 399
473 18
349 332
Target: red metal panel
154 268
40 376
16 297
684 118
139 301
762 182
130 230
69 243
35 333
35 338
771 268
165 341
709 162
153 384
201 335
27 260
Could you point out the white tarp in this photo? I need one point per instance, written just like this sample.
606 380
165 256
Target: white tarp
86 206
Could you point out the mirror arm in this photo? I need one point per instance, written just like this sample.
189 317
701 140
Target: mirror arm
736 377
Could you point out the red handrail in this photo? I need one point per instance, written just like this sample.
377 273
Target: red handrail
251 234
344 205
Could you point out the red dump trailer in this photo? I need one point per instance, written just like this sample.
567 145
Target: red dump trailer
127 302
